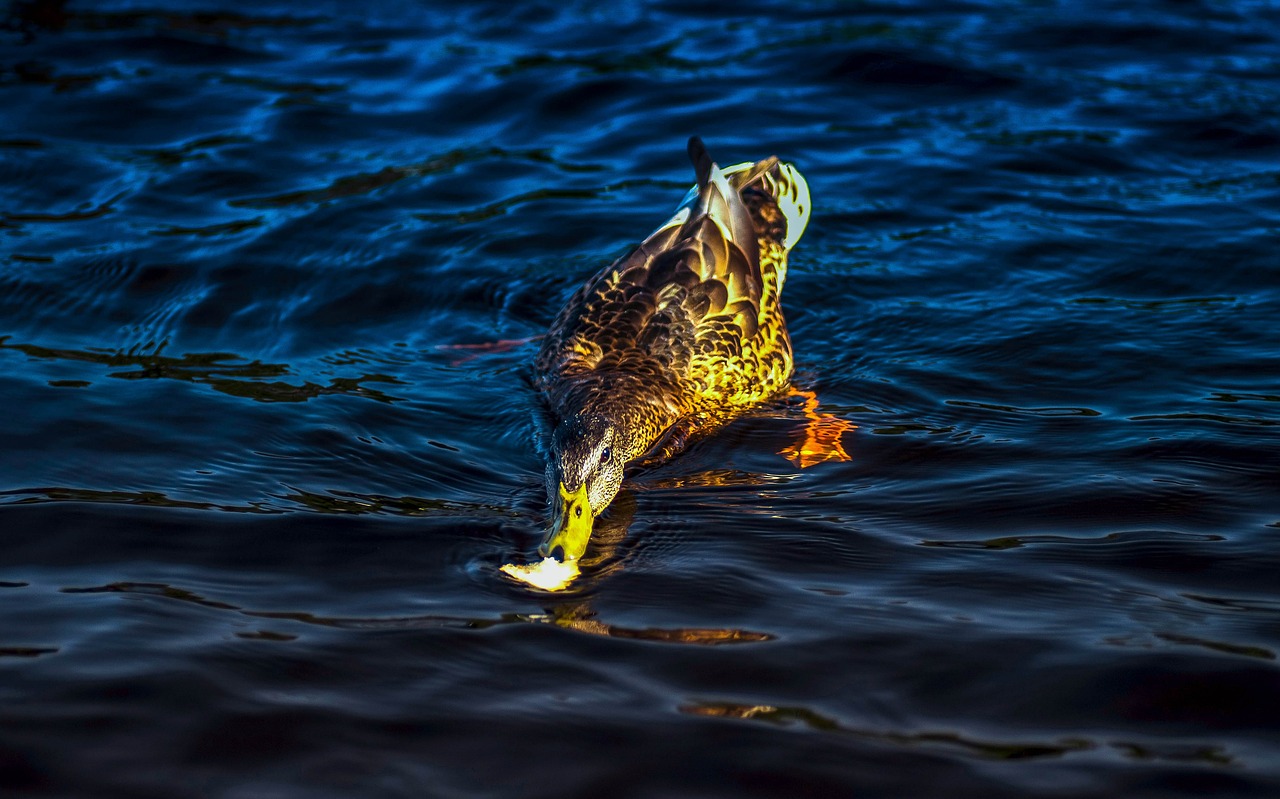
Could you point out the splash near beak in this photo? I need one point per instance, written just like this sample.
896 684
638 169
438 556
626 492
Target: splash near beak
572 528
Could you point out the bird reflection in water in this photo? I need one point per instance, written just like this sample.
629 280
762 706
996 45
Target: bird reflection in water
822 440
823 435
603 558
579 616
600 559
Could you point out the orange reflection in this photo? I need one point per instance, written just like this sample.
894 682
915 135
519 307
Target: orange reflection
823 435
580 617
486 348
601 559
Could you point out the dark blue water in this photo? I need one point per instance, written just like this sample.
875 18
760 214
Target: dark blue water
253 497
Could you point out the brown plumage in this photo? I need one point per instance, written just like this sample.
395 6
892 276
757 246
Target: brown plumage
684 331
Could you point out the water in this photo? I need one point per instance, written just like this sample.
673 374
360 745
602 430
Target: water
254 496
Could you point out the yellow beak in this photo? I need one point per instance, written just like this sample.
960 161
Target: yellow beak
572 528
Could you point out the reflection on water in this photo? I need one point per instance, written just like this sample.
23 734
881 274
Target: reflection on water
823 436
786 716
572 615
152 498
581 618
798 715
237 378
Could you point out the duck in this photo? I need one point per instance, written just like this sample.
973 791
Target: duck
673 339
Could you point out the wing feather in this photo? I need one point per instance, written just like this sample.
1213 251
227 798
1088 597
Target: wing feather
693 286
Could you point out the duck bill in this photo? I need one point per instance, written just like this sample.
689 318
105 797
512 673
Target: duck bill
571 531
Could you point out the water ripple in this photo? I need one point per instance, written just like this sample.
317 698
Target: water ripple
313 253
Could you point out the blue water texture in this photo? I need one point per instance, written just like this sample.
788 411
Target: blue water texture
271 279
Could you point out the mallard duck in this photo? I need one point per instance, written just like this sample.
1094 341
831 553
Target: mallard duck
676 336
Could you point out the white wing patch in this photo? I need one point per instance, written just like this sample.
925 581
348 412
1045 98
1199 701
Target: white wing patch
793 201
791 192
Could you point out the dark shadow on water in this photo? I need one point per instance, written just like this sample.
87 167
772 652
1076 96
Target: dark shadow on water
792 716
56 16
350 502
156 499
573 611
1017 541
605 558
333 502
224 372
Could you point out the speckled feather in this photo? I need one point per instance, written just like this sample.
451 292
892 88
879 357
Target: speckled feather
687 327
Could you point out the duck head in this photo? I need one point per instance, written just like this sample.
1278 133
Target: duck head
584 473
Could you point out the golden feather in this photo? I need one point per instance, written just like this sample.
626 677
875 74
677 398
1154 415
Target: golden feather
685 329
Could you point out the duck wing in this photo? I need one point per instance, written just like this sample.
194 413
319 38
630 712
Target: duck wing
692 287
706 259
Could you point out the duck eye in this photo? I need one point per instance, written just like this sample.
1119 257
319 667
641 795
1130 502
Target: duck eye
606 454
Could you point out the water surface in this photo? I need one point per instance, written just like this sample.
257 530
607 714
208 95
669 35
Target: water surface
254 494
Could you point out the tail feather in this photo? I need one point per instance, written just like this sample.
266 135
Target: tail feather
779 180
720 202
702 163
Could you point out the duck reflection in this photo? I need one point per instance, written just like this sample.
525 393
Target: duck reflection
820 440
823 435
571 610
602 558
579 616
